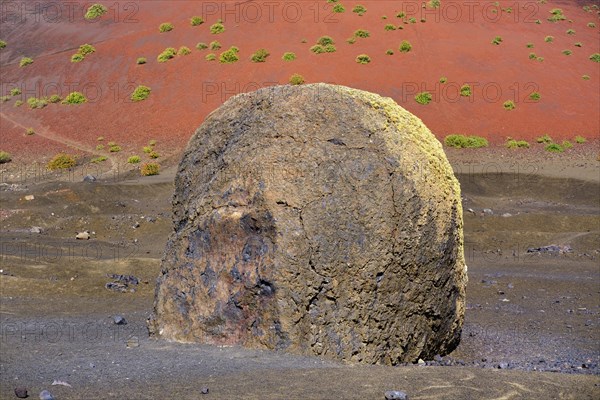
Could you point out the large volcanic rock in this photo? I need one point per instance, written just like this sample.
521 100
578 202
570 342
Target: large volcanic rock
317 219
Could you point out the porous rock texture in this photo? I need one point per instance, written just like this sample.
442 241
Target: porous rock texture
318 219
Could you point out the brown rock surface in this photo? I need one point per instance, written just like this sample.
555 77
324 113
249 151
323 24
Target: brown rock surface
317 219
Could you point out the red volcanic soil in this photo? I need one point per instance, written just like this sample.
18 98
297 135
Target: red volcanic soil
454 41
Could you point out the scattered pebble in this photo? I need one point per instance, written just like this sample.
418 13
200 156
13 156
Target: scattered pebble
85 235
506 215
204 390
89 178
132 342
119 320
62 383
36 229
488 211
46 395
395 395
21 392
29 197
503 365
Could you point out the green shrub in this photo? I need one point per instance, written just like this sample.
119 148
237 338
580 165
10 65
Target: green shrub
214 45
317 49
15 92
351 40
405 46
532 56
535 96
325 40
184 51
389 27
400 15
529 45
288 56
540 59
363 59
167 54
567 144
75 58
412 20
149 169
100 138
202 46
580 139
37 103
462 141
359 9
230 56
165 27
195 21
5 157
54 99
86 49
217 28
509 105
361 33
99 159
557 15
389 52
585 77
147 149
434 3
329 48
152 143
537 21
443 79
95 10
296 79
25 61
134 159
99 147
549 39
578 44
210 57
114 148
517 144
2 44
140 93
595 57
260 56
141 60
74 98
153 154
591 25
497 40
567 52
570 32
465 90
338 8
4 99
423 98
544 139
30 131
554 148
61 161
18 103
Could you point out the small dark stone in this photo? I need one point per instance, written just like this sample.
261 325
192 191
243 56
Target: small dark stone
119 320
204 390
337 142
21 392
46 395
395 395
89 178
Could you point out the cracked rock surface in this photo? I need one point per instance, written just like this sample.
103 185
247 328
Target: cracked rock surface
315 219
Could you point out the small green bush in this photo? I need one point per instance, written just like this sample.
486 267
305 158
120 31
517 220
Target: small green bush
554 148
100 138
443 79
359 9
95 10
361 33
99 159
535 96
15 92
532 56
591 25
259 56
152 143
389 27
567 52
210 57
217 28
549 39
400 15
317 49
540 59
389 52
412 20
99 147
25 61
557 15
75 58
462 141
86 49
61 161
296 79
214 45
202 46
195 21
147 149
114 148
230 56
517 144
134 159
405 46
2 44
140 93
567 144
184 51
18 103
30 131
595 57
5 157
578 44
36 103
585 77
580 139
465 90
325 40
529 45
153 154
165 27
434 3
544 139
329 48
141 60
570 32
509 105
4 99
351 40
167 54
149 169
497 40
54 99
74 98
288 56
363 59
338 8
423 98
